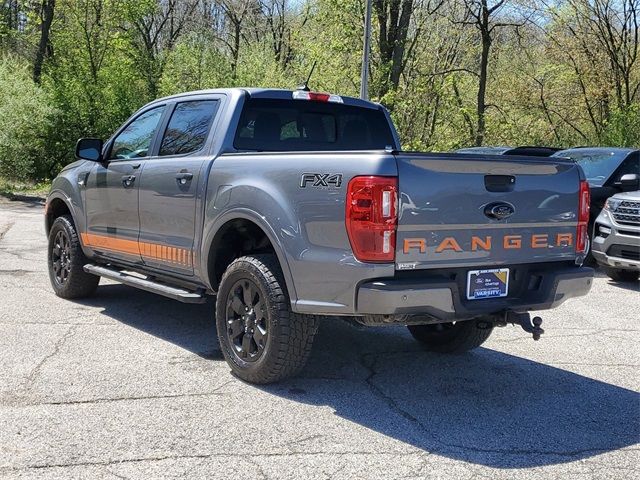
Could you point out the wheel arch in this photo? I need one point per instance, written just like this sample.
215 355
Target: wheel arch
58 204
255 236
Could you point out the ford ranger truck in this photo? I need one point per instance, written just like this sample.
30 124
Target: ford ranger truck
289 206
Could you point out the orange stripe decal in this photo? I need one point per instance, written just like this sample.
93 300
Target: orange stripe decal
132 247
120 245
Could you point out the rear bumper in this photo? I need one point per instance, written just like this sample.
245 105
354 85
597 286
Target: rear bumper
444 298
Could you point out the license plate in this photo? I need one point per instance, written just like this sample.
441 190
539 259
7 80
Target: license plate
487 283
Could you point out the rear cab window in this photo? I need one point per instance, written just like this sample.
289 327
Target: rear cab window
301 125
188 127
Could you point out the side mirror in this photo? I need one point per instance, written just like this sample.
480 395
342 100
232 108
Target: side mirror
89 149
630 182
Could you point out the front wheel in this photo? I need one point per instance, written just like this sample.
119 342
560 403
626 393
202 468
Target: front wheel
619 275
262 340
66 261
453 337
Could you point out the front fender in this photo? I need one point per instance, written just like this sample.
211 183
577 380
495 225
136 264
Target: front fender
60 191
65 188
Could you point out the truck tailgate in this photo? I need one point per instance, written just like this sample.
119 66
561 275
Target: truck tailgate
485 210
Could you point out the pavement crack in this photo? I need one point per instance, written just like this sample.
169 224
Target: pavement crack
369 362
5 228
570 335
248 457
121 399
117 475
298 441
18 272
259 468
35 371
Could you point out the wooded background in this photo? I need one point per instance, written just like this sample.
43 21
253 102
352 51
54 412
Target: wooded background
453 73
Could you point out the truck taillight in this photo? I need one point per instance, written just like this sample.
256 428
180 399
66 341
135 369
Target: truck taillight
582 233
372 217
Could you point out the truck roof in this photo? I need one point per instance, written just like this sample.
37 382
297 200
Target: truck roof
275 93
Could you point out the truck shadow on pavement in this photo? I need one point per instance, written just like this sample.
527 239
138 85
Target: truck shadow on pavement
485 407
631 286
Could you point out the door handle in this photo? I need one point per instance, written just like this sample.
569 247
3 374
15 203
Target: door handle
128 180
183 177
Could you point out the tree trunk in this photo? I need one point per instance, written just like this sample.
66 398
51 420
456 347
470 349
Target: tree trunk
45 28
482 89
398 57
235 53
394 17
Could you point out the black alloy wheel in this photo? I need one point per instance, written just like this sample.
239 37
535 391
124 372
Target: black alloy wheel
61 257
246 320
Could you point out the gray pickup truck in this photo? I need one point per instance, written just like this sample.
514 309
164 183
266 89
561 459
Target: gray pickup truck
292 205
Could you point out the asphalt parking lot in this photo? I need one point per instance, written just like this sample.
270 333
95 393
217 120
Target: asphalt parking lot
130 385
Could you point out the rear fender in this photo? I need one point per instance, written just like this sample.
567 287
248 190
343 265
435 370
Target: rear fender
251 215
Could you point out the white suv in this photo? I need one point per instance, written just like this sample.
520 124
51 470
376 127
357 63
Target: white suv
616 237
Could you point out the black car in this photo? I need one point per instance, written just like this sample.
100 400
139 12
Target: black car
608 171
525 150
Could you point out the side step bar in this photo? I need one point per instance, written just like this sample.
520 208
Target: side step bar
179 294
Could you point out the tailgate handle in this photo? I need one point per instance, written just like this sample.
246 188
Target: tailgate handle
499 183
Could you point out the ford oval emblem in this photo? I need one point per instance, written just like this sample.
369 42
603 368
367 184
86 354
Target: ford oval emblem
499 210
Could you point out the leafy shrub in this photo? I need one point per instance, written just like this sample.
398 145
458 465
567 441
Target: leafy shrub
25 119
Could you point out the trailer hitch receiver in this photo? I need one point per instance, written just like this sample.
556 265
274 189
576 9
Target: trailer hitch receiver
529 325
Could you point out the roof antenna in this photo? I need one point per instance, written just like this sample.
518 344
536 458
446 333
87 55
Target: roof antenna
305 86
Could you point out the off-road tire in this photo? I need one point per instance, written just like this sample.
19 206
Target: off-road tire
455 337
619 275
289 335
78 283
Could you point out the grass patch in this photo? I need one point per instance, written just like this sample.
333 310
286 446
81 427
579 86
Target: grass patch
20 189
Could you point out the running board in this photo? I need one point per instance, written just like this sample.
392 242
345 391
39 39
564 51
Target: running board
179 294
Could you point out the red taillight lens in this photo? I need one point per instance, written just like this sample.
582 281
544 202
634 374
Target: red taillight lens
316 96
372 217
319 97
582 234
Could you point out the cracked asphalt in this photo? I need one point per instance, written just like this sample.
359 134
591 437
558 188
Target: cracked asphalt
130 385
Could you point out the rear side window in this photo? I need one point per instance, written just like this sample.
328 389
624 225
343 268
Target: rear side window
188 128
295 125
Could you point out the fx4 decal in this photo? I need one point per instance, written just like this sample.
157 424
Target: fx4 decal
321 180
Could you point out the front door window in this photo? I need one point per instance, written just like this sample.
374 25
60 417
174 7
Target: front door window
134 141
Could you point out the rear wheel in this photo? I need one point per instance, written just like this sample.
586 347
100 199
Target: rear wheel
453 337
262 340
620 275
66 261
